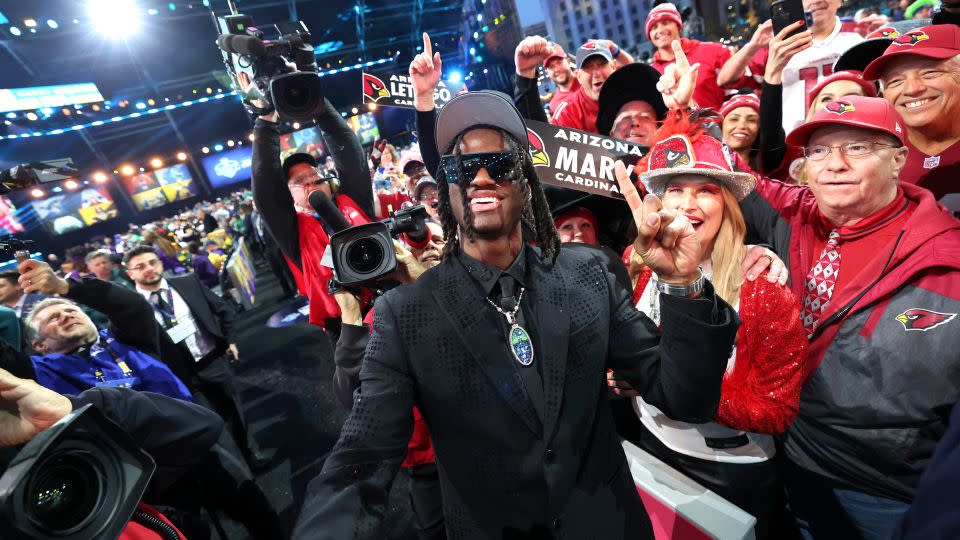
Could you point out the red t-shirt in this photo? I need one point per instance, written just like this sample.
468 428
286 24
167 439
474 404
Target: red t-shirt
940 174
578 112
391 202
859 246
560 95
712 57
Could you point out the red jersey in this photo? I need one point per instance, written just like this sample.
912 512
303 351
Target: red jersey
940 174
391 202
559 96
578 112
712 57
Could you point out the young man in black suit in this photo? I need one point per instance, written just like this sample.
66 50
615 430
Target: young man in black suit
504 349
201 346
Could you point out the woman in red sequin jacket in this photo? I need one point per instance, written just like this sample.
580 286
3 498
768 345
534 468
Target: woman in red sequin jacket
692 174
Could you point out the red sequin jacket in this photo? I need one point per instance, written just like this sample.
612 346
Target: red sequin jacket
762 392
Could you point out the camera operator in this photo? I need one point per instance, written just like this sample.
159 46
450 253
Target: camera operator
176 434
281 194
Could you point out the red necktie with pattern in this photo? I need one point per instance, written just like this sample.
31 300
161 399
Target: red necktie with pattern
820 284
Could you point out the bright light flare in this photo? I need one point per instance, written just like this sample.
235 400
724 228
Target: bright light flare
71 184
114 18
37 193
182 156
127 170
99 177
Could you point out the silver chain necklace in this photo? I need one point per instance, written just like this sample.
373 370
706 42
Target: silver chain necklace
520 343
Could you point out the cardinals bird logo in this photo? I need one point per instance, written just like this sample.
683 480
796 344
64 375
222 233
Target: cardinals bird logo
923 319
886 32
373 88
538 153
672 152
590 45
839 107
911 38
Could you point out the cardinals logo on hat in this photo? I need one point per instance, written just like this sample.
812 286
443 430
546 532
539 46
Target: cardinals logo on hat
839 107
538 152
885 32
911 38
672 152
373 88
590 45
923 319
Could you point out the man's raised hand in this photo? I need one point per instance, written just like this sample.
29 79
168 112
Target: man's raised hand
26 408
679 80
665 241
530 53
425 71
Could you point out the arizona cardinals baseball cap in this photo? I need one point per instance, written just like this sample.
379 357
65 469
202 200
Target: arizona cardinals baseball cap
858 57
482 108
555 52
294 159
873 113
869 88
939 41
592 48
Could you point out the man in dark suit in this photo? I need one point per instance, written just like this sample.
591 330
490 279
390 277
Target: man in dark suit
12 295
198 325
504 349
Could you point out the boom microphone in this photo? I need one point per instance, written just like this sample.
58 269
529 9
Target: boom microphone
328 211
239 44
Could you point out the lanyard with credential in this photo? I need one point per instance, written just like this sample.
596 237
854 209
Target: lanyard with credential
101 377
169 319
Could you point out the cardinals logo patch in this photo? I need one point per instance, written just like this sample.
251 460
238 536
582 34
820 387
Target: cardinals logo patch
923 319
672 152
538 152
839 107
912 38
590 45
886 32
373 88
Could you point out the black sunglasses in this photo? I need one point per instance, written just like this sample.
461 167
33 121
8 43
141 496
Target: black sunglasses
499 165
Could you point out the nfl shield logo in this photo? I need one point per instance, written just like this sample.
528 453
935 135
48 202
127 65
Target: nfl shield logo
931 162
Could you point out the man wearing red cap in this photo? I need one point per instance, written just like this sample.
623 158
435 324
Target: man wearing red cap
877 264
558 68
662 29
596 61
919 73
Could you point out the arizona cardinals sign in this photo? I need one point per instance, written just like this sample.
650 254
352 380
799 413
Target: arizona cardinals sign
574 159
923 319
395 90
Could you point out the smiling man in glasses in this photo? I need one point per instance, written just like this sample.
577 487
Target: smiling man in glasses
504 347
877 264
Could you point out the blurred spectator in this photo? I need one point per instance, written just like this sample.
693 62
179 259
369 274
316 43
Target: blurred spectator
101 264
596 61
13 297
205 271
741 126
558 68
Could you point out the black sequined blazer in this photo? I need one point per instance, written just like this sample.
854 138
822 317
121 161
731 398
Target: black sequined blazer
505 473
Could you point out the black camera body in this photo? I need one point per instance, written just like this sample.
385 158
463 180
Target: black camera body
294 95
81 478
35 173
364 254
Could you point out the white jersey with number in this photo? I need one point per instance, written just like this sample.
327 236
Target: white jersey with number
807 68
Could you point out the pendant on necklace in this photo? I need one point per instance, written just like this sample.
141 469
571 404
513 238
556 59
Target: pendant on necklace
521 345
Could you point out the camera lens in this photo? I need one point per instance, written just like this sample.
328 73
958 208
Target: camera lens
365 255
64 493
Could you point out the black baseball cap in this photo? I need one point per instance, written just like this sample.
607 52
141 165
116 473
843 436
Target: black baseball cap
483 108
632 82
294 159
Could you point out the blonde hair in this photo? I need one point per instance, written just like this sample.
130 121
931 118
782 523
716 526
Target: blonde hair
727 252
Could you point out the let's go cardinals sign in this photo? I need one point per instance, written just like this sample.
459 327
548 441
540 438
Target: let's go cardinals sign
395 90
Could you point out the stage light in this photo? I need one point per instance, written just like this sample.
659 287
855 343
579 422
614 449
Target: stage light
15 31
485 70
71 184
473 51
127 170
230 143
30 23
114 18
52 24
182 156
142 169
218 147
479 17
99 177
205 150
353 110
209 90
56 189
141 105
7 122
151 102
152 11
250 136
296 125
171 6
371 106
455 77
11 115
156 163
32 116
37 193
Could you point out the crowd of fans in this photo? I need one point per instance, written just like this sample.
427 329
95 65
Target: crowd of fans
771 314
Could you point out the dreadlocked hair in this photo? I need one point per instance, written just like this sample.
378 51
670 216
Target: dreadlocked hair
536 220
694 125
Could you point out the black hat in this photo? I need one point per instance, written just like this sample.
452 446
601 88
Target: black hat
632 82
294 159
475 109
858 57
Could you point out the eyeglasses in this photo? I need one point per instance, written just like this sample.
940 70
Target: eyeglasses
153 263
501 166
855 149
